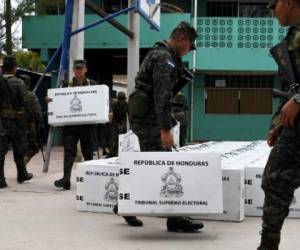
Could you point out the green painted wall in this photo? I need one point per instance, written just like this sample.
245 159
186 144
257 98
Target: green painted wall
47 32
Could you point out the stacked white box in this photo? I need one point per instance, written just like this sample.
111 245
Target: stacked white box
97 185
233 196
254 194
162 183
233 177
78 105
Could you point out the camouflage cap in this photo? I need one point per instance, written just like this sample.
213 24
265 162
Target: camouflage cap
272 4
79 63
189 31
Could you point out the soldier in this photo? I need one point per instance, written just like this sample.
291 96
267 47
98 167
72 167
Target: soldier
150 104
73 134
34 120
12 105
181 114
282 173
119 120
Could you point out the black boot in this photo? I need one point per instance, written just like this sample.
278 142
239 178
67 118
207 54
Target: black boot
183 224
23 175
269 240
131 220
3 183
65 182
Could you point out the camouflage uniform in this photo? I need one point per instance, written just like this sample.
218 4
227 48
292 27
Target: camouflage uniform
150 105
12 104
282 174
119 121
73 134
150 108
181 114
33 121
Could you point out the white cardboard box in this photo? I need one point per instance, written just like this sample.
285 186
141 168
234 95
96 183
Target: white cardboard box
233 196
97 185
78 105
162 183
254 194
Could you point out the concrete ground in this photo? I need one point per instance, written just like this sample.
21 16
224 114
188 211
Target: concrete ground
35 215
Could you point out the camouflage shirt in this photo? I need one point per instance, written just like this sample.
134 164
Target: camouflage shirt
293 38
33 108
157 76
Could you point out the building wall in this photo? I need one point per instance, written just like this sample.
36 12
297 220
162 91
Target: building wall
226 45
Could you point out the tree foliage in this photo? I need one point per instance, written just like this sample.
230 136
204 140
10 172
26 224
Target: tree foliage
30 60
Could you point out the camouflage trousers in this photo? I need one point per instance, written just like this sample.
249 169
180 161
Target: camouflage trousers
149 136
13 135
71 136
33 146
281 178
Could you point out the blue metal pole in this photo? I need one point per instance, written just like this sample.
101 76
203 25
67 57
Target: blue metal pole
63 72
112 16
65 52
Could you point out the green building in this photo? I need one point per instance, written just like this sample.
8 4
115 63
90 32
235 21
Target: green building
231 98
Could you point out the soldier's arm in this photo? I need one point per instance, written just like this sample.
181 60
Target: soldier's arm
37 110
163 82
22 92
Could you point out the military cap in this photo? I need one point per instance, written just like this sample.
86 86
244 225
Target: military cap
189 31
272 4
79 63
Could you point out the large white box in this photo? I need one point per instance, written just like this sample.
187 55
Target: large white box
254 194
162 183
97 185
78 105
233 196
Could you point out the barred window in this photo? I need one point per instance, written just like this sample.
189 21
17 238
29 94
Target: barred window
238 94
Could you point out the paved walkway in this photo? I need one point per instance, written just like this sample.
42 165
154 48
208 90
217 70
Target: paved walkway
35 216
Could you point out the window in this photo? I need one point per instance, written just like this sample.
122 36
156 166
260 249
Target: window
238 9
238 94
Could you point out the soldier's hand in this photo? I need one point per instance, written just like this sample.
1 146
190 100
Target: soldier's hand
48 99
166 139
272 137
289 113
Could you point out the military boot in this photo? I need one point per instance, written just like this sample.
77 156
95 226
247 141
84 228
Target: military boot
3 183
183 224
64 182
23 175
269 240
131 220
